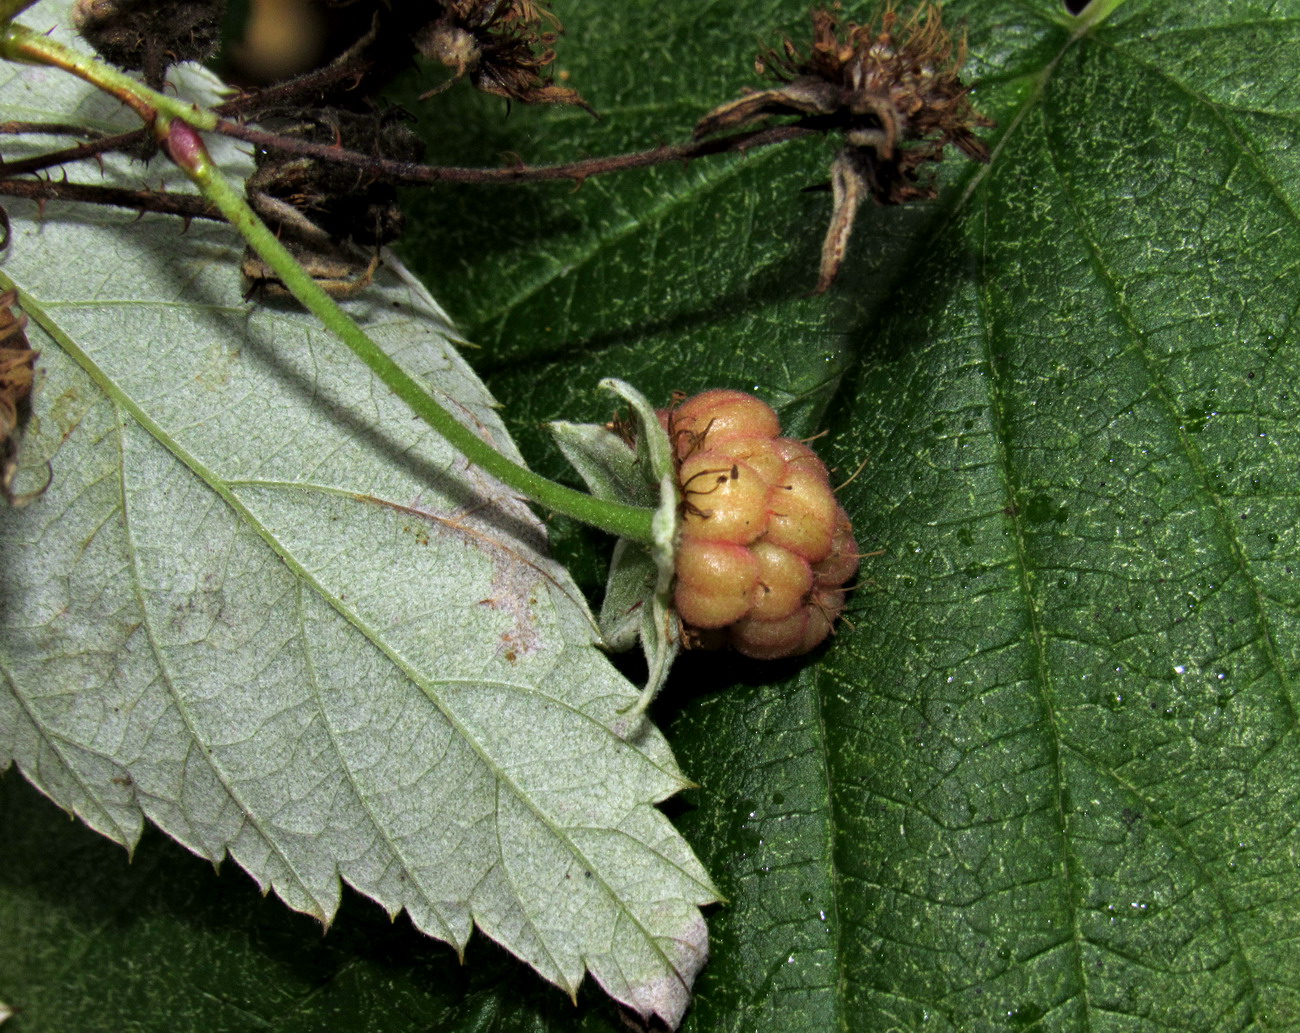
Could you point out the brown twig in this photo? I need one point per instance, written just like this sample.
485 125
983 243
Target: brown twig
48 128
188 206
409 172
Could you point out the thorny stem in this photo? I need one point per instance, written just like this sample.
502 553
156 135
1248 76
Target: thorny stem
409 172
50 128
19 43
89 149
174 123
187 206
292 91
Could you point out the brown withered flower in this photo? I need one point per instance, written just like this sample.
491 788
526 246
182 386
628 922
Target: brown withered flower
501 46
892 89
17 375
346 203
149 36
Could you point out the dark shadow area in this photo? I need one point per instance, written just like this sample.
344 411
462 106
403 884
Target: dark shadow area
165 926
700 674
787 280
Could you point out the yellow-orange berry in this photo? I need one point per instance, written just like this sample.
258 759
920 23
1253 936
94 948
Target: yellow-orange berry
819 625
770 640
726 501
716 582
824 608
842 561
763 454
708 419
803 515
800 457
765 548
784 581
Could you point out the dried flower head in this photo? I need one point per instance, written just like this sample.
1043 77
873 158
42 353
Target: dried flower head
149 36
17 375
501 46
892 89
347 203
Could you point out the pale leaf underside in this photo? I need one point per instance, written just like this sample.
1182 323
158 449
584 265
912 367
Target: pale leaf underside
264 607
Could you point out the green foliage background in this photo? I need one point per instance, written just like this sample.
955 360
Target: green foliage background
1048 778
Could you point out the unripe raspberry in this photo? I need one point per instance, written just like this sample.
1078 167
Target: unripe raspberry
771 640
799 456
765 549
803 514
764 454
822 611
716 582
725 501
784 581
828 601
708 419
842 562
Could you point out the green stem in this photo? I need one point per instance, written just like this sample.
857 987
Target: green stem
19 43
188 152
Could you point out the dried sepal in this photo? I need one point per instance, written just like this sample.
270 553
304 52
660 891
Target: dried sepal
17 375
849 188
892 89
333 218
501 46
803 97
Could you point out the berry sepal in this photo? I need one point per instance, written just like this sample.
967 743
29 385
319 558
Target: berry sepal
639 589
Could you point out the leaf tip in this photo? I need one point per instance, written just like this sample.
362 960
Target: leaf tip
669 996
